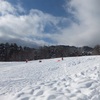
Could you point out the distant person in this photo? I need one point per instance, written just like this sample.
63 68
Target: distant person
26 60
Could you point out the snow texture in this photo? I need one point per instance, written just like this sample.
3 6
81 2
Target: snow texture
74 78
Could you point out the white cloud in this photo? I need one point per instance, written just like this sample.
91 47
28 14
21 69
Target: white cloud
6 7
86 31
29 28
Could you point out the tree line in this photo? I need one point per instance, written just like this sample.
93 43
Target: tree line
13 52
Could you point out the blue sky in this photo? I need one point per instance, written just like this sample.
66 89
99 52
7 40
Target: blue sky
50 22
54 7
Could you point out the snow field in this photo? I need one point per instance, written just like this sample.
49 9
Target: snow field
74 78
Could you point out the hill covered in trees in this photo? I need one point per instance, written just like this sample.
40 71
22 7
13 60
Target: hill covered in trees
13 52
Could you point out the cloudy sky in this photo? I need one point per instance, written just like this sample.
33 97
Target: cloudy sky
50 22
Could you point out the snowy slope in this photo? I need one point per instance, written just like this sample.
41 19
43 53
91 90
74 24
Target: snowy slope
74 78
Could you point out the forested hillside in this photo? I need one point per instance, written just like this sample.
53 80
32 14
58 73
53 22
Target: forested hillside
13 52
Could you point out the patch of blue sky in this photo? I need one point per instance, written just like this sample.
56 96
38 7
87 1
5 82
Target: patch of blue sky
15 2
50 28
53 7
64 23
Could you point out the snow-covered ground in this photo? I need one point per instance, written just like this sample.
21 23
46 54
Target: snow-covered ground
74 78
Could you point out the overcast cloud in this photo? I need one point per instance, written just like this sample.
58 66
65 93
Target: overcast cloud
86 31
29 29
